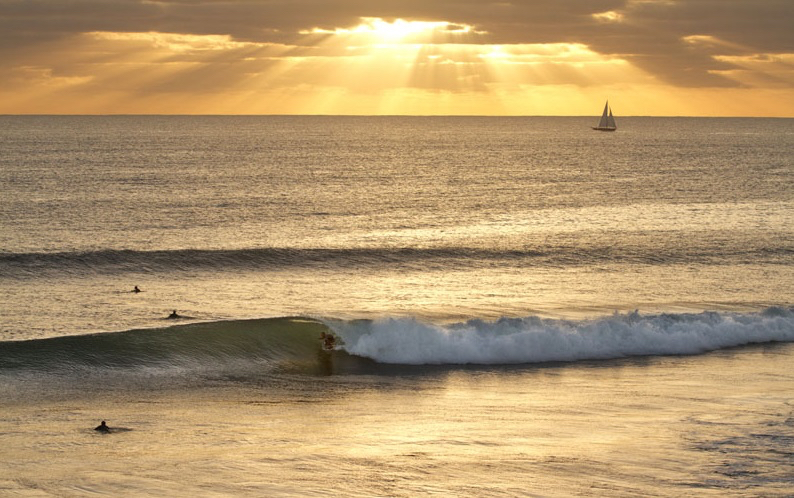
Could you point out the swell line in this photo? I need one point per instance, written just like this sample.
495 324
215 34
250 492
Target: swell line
121 261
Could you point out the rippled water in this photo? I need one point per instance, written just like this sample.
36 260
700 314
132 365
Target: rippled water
438 218
720 424
509 295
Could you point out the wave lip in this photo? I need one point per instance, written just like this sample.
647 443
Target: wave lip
536 340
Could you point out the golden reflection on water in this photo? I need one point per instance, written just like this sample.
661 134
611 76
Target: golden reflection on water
639 426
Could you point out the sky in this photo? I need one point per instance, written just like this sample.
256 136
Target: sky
384 57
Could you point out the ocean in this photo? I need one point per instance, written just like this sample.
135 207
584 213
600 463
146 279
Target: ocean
522 306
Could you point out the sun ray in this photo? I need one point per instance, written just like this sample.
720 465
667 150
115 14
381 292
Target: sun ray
377 65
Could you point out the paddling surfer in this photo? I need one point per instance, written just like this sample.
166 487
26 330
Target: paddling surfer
102 428
174 315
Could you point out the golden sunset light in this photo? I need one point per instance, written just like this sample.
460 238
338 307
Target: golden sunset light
488 58
458 248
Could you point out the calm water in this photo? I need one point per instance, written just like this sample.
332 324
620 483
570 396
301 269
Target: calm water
453 257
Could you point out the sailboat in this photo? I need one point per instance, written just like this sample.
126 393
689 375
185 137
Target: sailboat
607 122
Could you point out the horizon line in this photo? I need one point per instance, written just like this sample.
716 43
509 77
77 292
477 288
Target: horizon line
621 116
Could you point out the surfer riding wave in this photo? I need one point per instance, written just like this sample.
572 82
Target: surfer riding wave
328 340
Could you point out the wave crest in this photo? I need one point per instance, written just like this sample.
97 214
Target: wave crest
252 348
534 340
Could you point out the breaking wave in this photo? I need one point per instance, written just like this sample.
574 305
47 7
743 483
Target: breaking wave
252 348
534 340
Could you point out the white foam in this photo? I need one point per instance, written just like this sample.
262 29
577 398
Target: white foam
532 339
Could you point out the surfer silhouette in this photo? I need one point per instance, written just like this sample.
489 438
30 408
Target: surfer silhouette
136 289
102 427
173 315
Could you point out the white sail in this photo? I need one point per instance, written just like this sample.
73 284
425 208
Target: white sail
607 122
604 117
611 120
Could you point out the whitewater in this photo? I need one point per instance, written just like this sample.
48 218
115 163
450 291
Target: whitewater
521 306
534 340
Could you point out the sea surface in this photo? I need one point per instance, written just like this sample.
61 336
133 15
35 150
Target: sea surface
522 306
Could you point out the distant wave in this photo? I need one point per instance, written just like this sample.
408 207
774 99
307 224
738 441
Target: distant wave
121 261
256 347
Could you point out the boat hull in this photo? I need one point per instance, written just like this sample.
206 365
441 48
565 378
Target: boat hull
600 128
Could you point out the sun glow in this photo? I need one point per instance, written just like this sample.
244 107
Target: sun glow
398 30
371 66
374 67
